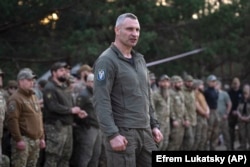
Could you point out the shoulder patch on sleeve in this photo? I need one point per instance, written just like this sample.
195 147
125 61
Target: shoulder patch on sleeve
101 75
12 106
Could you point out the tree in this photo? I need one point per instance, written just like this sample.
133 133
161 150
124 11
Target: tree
31 35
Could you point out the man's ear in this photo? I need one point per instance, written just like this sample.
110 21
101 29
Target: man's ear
117 30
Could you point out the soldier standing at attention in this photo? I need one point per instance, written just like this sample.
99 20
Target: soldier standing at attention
178 115
212 95
161 101
202 110
24 121
59 111
122 99
189 96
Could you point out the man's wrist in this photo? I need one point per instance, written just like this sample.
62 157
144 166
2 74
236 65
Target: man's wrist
113 136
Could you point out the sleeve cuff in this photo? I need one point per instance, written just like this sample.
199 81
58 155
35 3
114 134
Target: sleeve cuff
113 136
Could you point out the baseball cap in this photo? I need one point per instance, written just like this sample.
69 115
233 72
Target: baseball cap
25 74
164 77
211 78
176 78
188 78
58 65
12 83
197 83
90 77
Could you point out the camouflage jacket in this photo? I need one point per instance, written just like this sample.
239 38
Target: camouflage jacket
190 106
177 106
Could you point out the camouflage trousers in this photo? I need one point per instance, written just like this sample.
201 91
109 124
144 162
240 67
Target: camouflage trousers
165 130
213 129
200 138
224 130
176 137
27 157
244 131
59 143
5 161
188 138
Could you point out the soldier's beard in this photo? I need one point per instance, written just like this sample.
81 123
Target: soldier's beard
61 79
189 87
178 88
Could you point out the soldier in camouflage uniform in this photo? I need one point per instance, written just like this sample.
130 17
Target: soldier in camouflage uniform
189 96
4 160
24 121
161 103
59 110
178 115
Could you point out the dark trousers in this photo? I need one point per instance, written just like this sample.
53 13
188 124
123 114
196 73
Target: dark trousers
87 146
138 152
232 122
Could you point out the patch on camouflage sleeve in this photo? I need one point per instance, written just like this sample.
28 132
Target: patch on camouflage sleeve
12 106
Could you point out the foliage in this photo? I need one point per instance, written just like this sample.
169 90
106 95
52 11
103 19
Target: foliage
85 28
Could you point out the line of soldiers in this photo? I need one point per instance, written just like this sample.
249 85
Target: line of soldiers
193 116
52 124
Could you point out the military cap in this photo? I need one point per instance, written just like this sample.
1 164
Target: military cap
12 83
197 83
25 74
26 69
211 78
58 65
164 77
188 78
176 78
